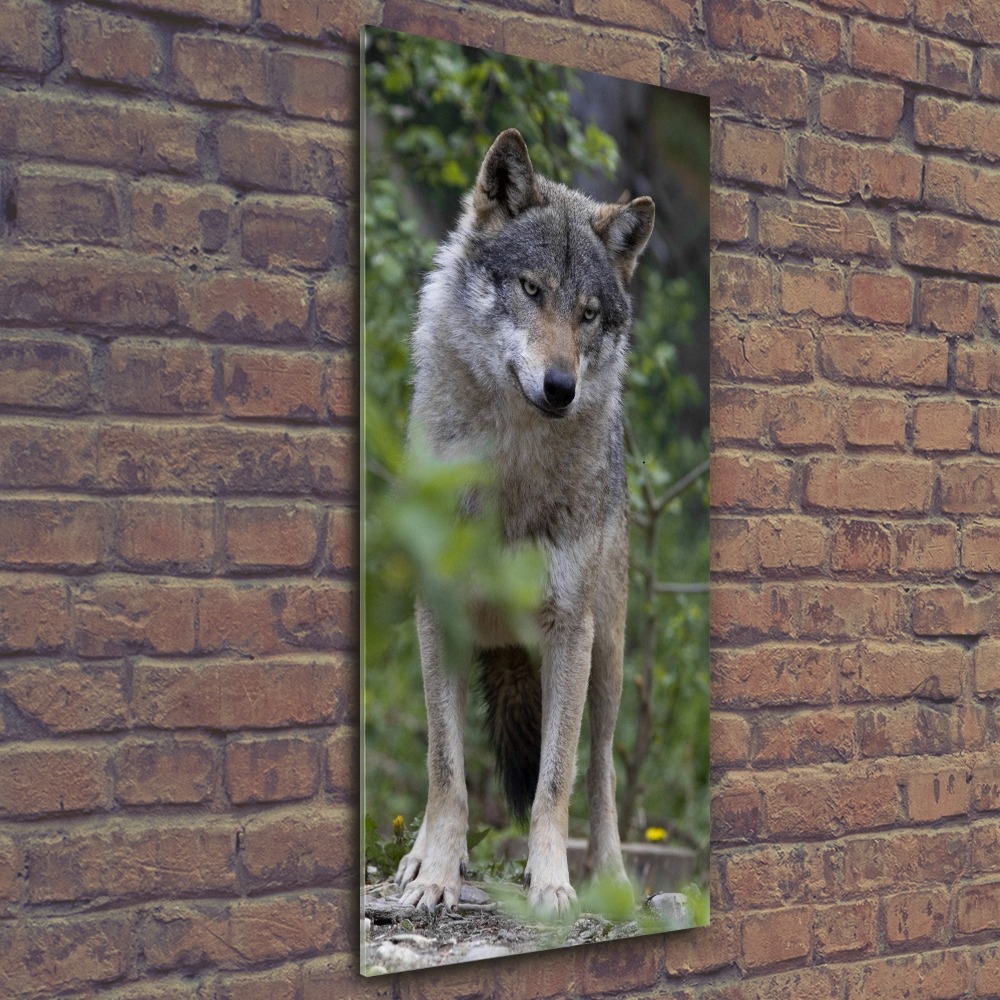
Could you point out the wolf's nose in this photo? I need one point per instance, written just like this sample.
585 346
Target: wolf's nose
559 388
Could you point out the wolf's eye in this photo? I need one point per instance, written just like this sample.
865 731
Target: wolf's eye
531 289
589 315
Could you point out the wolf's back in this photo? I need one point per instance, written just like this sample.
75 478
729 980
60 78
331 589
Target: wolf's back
512 692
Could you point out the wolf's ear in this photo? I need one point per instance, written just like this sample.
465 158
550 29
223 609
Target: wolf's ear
505 186
624 230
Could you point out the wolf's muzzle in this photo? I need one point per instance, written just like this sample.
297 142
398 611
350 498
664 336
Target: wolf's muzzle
559 388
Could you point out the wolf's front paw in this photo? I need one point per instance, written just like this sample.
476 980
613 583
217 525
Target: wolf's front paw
428 882
554 901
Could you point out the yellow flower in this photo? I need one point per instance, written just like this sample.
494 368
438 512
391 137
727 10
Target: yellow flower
398 826
655 834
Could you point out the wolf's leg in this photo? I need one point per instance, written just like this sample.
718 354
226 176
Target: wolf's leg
432 872
566 648
603 698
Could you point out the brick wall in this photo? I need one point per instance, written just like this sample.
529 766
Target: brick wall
178 703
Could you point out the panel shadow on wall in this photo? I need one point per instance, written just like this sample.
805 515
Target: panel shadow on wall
507 498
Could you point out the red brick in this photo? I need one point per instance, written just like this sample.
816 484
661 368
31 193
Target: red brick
846 611
829 167
47 780
34 613
99 131
875 422
240 694
988 668
761 351
157 377
805 420
874 671
861 547
774 29
627 55
746 153
944 975
936 794
750 482
117 615
772 89
815 983
790 543
297 157
700 950
740 613
342 760
891 174
51 955
80 205
884 359
248 307
845 928
894 485
730 215
908 729
104 46
262 383
948 306
742 285
776 936
315 86
270 536
343 540
859 107
68 697
989 430
164 772
979 908
822 230
812 289
917 918
772 675
942 425
41 532
962 189
282 983
977 367
950 611
272 770
29 38
222 70
948 66
927 548
808 737
891 861
286 232
736 814
991 309
768 875
318 18
160 534
981 547
284 849
970 487
739 415
896 10
730 736
48 372
886 50
972 20
985 785
337 307
881 298
960 126
163 860
733 549
180 218
986 971
989 73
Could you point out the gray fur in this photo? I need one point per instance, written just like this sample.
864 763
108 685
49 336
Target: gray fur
520 354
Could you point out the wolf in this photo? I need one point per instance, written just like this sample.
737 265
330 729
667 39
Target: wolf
519 354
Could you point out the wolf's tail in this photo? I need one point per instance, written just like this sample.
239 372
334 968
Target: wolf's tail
512 690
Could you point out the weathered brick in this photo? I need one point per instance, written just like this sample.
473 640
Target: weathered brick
873 671
180 218
269 536
789 543
891 174
248 306
937 793
886 50
44 371
56 204
942 425
34 613
104 46
801 419
284 232
989 73
761 351
985 785
171 771
822 230
741 613
919 917
977 367
962 189
29 38
987 658
863 547
742 285
844 611
884 359
48 780
859 107
948 66
893 860
40 532
319 18
768 875
875 422
222 70
950 611
894 485
845 928
159 377
730 215
948 306
774 29
163 534
759 483
829 167
981 547
342 760
776 936
747 153
812 289
773 675
942 974
979 908
881 298
343 539
69 697
308 85
960 126
970 487
805 737
729 737
273 384
272 770
930 547
972 20
896 10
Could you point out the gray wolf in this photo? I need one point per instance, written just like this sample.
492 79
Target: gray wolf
520 352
